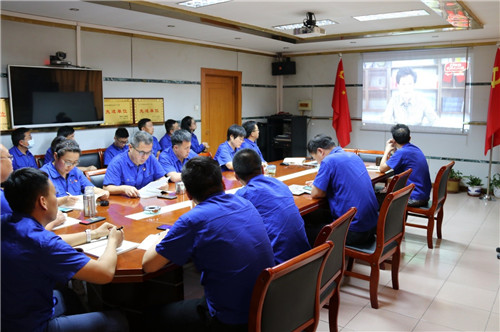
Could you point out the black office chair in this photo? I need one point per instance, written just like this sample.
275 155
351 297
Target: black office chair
96 177
90 158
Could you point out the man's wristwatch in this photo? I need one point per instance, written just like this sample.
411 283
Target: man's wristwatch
89 235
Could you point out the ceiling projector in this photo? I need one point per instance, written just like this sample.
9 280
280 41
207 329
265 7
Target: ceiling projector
309 31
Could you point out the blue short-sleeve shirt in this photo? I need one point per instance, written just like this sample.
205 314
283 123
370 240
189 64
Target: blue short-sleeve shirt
284 225
122 171
344 178
156 146
33 261
165 142
169 161
49 156
249 144
227 241
5 207
112 151
410 156
224 155
196 146
74 183
22 160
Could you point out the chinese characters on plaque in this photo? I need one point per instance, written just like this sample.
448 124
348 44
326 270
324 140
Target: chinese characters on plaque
151 108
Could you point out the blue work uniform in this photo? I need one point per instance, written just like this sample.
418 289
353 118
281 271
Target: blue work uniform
165 142
5 207
344 178
122 171
249 144
113 151
410 156
169 161
284 225
33 261
49 156
74 183
196 146
224 155
22 160
156 146
226 239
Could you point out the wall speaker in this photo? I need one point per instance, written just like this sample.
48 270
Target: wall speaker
283 68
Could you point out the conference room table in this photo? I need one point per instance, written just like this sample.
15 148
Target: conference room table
137 225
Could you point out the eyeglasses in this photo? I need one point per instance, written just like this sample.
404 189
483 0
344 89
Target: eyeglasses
143 153
68 163
11 158
123 142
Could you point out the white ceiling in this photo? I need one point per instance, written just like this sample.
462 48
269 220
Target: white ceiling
247 24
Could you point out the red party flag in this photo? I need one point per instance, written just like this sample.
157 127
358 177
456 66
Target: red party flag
493 121
341 117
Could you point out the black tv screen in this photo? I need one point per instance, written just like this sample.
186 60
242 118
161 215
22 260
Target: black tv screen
53 96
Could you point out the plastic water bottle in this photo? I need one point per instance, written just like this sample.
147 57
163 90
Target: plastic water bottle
89 208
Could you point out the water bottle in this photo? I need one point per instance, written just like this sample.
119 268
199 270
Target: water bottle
89 208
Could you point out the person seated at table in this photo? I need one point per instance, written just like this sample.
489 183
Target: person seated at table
189 124
252 134
146 125
173 158
404 156
275 203
225 237
68 180
227 150
171 126
129 172
66 132
120 145
343 179
34 260
22 142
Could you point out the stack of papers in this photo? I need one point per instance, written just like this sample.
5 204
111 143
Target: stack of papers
153 189
297 189
294 161
79 203
97 247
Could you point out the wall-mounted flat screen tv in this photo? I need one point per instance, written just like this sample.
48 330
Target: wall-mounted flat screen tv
54 96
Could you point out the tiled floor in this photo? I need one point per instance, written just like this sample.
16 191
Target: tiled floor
453 287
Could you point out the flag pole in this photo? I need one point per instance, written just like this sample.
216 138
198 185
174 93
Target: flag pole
489 197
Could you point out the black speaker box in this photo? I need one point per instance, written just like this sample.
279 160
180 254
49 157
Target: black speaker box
283 68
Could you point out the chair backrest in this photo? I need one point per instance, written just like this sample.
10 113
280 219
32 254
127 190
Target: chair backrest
286 297
399 181
40 160
96 177
337 233
90 157
370 156
439 191
391 220
205 154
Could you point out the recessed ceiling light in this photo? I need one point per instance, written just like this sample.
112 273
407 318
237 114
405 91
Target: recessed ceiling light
170 26
237 38
200 3
386 16
74 9
353 42
300 25
286 48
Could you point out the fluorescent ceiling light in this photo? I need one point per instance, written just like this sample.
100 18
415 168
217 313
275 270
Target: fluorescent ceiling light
300 25
200 3
386 16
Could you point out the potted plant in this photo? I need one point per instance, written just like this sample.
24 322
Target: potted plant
473 185
495 185
453 185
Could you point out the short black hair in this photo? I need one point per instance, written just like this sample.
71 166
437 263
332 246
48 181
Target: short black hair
65 131
169 124
247 164
180 136
202 177
18 135
56 141
142 123
121 132
406 71
249 126
320 141
186 123
23 187
235 131
68 145
400 133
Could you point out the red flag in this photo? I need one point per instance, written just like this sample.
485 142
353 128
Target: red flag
341 117
493 121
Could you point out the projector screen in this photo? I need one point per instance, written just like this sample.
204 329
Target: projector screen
424 89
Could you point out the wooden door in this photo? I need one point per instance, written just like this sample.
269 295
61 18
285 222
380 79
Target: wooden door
220 104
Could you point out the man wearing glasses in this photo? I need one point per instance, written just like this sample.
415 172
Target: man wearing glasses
120 145
129 172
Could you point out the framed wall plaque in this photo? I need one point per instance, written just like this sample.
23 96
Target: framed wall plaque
4 114
151 108
118 111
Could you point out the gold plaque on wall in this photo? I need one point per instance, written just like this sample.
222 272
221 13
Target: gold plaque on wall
4 114
118 111
151 108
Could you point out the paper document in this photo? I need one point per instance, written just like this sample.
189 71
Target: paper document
294 161
149 241
79 203
297 189
373 168
68 222
96 248
152 189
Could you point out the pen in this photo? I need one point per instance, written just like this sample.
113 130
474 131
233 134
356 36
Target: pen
69 194
119 228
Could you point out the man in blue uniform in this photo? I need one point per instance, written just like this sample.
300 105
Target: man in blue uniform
344 181
274 201
189 124
226 239
34 260
120 145
252 134
404 156
147 126
171 126
173 158
22 142
227 150
129 172
5 170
